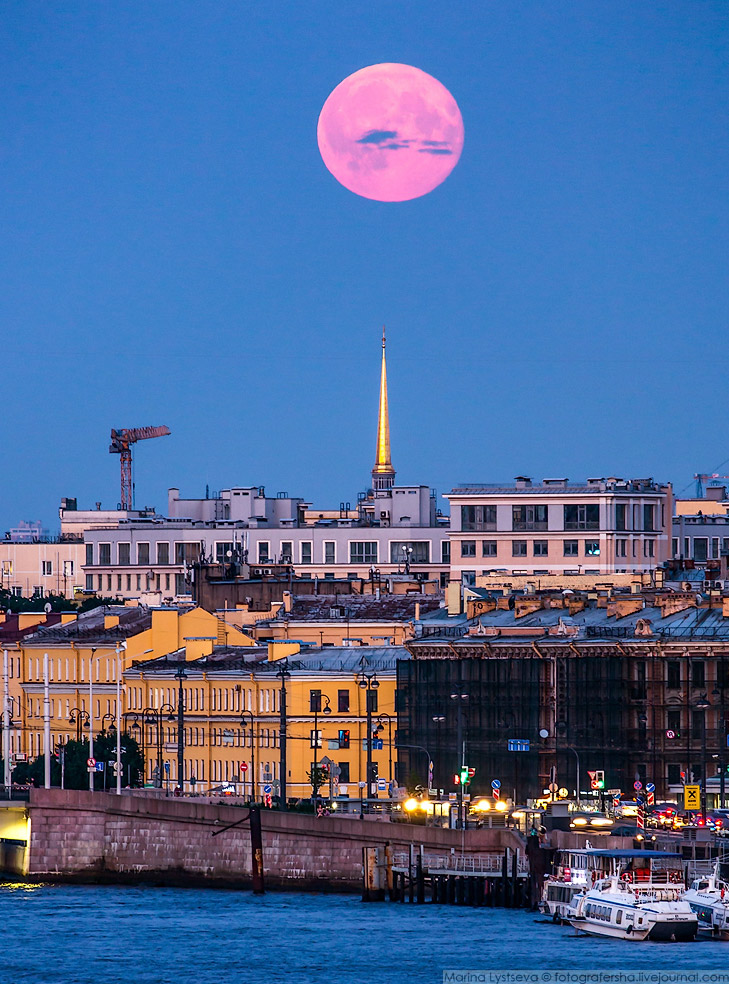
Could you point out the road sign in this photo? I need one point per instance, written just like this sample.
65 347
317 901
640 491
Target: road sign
651 799
362 784
496 784
167 768
637 785
650 787
244 767
692 797
99 767
517 745
553 787
91 763
382 785
267 789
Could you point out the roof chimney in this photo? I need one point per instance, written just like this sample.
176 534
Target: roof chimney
522 482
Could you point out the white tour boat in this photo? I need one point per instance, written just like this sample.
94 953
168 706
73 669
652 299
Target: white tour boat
569 876
709 899
634 895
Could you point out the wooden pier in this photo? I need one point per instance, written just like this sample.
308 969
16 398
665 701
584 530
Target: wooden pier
493 879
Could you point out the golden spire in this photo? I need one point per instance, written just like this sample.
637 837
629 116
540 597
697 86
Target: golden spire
383 474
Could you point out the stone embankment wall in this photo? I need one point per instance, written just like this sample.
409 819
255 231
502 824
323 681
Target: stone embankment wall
103 837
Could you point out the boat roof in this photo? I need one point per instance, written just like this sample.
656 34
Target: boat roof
597 853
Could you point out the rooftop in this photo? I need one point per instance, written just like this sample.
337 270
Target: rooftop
553 486
254 659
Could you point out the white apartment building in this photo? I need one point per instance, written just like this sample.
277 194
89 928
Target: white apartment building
606 525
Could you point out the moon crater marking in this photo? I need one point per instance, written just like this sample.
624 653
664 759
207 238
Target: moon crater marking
390 133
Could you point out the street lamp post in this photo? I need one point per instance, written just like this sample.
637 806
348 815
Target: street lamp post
283 673
249 714
153 715
381 718
120 645
460 699
703 704
80 718
180 676
327 709
719 692
369 683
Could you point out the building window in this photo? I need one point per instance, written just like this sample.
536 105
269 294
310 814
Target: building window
343 772
674 547
673 722
649 548
343 701
697 724
621 516
698 674
46 567
621 548
223 552
143 554
529 518
287 552
104 553
68 568
315 701
315 738
571 548
649 518
701 549
445 551
586 517
124 554
89 554
306 552
477 518
363 552
488 548
592 548
118 582
187 553
518 548
673 674
89 582
371 703
263 552
541 548
329 552
163 553
468 548
674 773
416 551
715 548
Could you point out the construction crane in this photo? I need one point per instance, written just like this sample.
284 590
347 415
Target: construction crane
121 441
701 480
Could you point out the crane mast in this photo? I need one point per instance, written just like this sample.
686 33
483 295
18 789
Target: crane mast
121 442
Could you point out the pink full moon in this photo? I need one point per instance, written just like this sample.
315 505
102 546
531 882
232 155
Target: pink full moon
390 132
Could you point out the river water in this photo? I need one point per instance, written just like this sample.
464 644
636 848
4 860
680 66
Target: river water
143 935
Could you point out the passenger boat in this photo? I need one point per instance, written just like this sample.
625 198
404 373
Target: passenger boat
634 895
709 899
568 877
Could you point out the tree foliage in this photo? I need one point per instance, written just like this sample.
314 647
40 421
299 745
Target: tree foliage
75 769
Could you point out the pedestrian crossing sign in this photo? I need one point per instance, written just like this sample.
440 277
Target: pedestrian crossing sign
692 797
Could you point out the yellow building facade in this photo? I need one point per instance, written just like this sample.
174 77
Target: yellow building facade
231 691
232 699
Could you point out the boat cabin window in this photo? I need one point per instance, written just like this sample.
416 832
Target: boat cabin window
619 918
702 885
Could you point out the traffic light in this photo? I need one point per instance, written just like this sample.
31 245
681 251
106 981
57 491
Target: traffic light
597 779
464 775
344 738
457 779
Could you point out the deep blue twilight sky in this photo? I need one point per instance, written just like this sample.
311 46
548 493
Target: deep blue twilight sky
174 251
